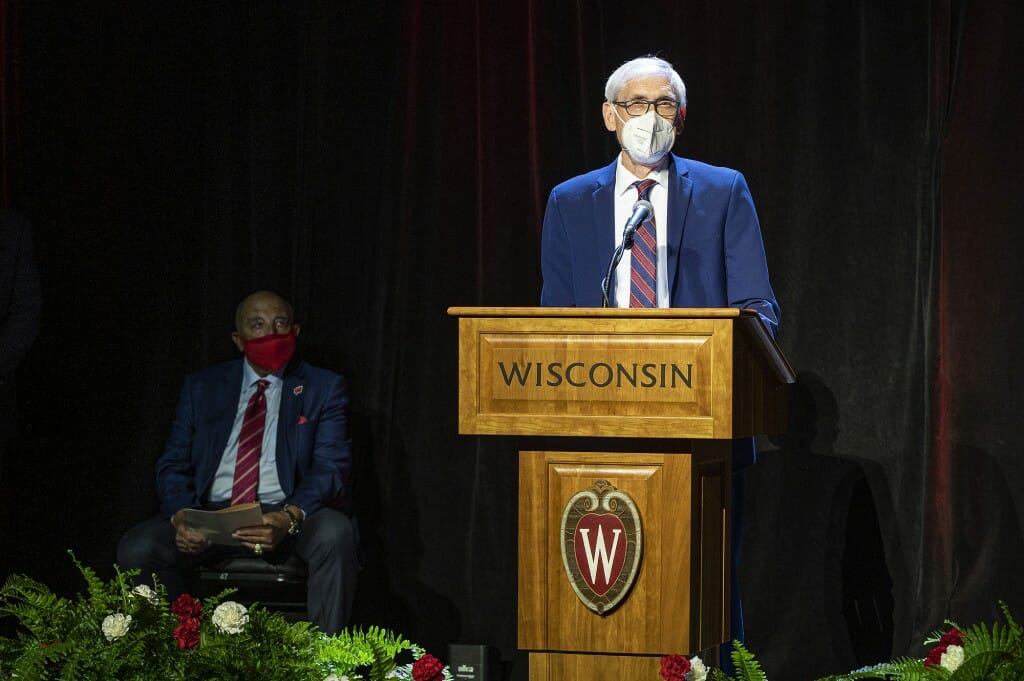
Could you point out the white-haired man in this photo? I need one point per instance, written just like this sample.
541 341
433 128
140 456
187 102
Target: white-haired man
701 248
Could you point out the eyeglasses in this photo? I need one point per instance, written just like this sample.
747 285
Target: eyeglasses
638 107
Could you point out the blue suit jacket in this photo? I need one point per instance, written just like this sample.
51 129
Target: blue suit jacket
313 457
715 251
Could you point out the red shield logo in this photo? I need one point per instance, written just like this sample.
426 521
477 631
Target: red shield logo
602 543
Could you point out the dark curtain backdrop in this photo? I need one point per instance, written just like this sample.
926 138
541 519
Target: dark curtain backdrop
377 164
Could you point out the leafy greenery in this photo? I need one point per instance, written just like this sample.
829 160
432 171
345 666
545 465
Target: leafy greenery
993 653
118 631
989 653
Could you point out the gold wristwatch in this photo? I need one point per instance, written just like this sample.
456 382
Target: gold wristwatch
294 521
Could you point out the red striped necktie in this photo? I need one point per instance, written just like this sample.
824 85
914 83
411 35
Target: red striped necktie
250 445
643 275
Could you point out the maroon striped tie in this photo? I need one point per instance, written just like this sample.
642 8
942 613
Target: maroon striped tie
250 444
643 275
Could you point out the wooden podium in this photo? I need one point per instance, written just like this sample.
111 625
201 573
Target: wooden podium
628 419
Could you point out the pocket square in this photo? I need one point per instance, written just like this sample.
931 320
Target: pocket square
303 419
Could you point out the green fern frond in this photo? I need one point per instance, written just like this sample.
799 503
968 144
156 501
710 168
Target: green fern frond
746 665
34 606
220 598
716 674
99 595
903 669
382 664
877 671
980 639
352 648
391 642
1002 638
1011 670
1015 632
1009 618
978 667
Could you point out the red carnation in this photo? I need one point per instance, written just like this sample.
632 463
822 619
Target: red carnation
185 606
934 656
674 667
187 633
951 638
427 668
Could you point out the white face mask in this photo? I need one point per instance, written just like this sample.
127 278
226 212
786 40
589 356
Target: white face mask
647 138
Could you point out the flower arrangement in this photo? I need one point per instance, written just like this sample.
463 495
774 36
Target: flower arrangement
120 631
679 668
977 653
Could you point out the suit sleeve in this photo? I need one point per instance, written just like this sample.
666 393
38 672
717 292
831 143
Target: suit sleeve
556 259
175 469
747 282
324 482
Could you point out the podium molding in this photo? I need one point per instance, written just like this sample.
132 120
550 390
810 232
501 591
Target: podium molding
649 402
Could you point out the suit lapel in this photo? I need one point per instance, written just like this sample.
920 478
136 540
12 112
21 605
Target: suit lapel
292 396
229 388
603 219
680 189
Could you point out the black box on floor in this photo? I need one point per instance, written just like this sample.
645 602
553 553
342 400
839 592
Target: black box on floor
473 663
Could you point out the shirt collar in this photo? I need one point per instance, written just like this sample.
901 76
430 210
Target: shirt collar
249 376
624 179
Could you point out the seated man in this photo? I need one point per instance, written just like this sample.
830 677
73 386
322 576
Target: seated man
267 429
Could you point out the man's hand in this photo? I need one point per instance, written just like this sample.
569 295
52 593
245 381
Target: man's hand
186 540
268 535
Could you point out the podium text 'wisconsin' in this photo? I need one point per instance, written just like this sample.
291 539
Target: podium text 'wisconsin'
627 418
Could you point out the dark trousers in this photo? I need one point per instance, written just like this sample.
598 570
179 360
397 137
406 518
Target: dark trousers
327 543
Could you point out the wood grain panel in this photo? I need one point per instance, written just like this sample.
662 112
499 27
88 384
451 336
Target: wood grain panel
567 666
735 386
664 612
607 373
635 625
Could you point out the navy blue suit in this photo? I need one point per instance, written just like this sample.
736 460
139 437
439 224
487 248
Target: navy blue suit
313 461
715 251
715 259
313 457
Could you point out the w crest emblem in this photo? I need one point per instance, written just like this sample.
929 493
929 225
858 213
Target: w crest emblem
602 543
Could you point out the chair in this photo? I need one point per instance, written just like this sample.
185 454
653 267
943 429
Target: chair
278 587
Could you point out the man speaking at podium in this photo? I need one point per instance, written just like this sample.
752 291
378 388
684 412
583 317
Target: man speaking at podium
691 233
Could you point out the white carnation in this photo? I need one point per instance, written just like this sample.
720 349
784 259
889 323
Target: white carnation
335 677
116 625
145 592
230 617
698 672
952 658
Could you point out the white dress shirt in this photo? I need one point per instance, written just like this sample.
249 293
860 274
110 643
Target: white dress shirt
269 490
625 198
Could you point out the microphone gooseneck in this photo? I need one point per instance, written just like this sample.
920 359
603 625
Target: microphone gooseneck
642 212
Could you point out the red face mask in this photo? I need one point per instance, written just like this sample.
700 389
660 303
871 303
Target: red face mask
272 352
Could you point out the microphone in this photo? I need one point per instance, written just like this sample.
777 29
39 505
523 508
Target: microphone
642 212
